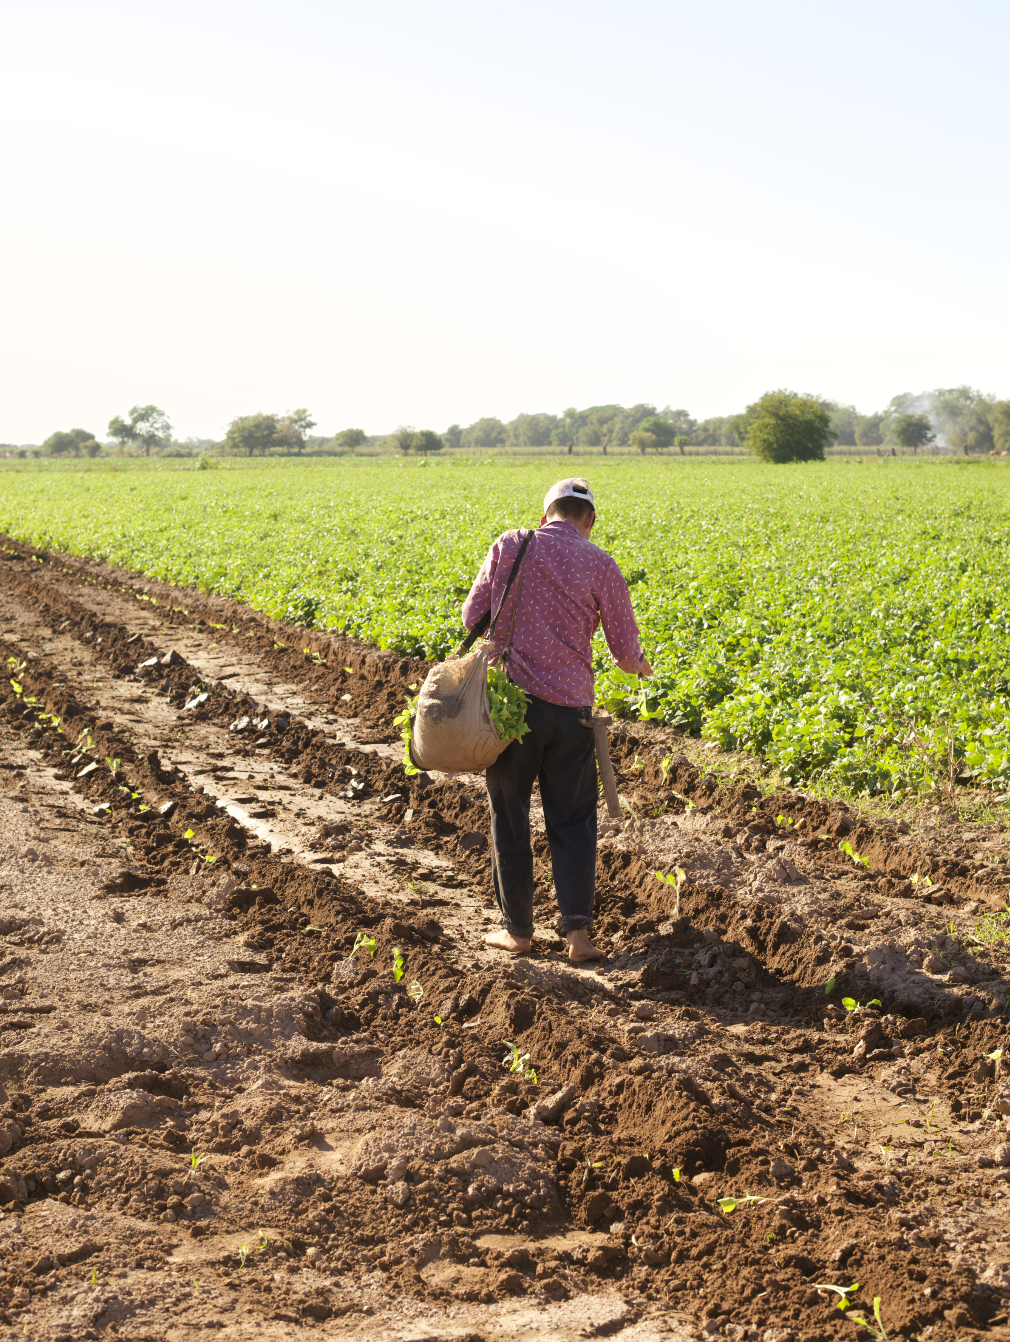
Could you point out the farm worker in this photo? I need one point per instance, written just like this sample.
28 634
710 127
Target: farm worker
569 585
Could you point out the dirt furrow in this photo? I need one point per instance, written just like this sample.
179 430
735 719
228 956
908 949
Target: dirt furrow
253 1045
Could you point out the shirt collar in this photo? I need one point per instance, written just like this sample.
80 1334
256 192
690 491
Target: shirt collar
560 525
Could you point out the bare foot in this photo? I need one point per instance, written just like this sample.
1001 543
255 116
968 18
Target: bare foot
503 940
580 948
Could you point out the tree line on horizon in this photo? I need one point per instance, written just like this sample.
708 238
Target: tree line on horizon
961 418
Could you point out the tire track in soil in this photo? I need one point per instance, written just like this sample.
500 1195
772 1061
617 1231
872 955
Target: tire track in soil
155 1003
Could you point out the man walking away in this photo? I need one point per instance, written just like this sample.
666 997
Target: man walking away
568 587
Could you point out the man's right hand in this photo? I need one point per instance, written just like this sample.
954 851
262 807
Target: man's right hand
631 666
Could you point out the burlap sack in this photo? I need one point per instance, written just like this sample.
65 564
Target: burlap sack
453 731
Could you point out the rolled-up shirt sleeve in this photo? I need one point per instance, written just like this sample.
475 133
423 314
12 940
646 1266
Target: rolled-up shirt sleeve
619 624
478 603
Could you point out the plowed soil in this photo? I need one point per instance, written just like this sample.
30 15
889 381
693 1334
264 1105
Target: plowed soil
258 1073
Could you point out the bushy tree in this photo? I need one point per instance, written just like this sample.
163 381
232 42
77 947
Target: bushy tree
427 440
486 432
716 432
402 438
350 439
531 430
147 427
654 432
912 431
783 426
292 429
963 417
999 420
249 434
453 437
71 441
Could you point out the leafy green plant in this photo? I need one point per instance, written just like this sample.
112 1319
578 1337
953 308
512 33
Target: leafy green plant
829 987
364 940
876 1328
398 964
730 1204
850 1004
513 1060
405 722
507 705
113 765
195 1161
665 765
243 1255
843 1292
415 992
676 878
849 851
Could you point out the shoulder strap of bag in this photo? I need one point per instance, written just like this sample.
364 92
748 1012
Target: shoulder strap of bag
486 622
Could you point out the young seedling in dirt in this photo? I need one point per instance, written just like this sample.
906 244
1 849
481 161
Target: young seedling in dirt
94 1276
664 765
398 963
728 1205
195 1161
850 1004
877 1330
676 878
243 1255
113 765
416 992
843 1291
437 1020
312 928
363 939
849 851
829 987
512 1060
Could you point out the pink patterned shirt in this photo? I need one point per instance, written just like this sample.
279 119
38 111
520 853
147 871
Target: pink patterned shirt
569 585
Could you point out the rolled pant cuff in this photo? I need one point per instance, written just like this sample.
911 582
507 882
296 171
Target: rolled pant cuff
526 933
574 924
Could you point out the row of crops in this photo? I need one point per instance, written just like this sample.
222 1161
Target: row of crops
809 613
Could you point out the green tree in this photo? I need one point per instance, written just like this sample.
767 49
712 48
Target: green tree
249 434
912 431
962 414
486 432
403 438
69 441
530 430
654 432
999 421
870 430
453 437
427 440
292 429
147 427
682 422
787 427
716 432
350 439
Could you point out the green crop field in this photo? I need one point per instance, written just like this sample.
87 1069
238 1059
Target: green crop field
808 613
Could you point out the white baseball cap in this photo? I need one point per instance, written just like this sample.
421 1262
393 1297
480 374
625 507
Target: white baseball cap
569 489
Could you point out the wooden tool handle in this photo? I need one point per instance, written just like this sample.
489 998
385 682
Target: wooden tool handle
600 725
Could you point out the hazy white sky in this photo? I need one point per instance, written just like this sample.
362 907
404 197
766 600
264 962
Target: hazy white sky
427 212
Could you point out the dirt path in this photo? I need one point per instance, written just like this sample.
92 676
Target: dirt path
215 1112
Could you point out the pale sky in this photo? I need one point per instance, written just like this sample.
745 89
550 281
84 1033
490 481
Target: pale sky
427 212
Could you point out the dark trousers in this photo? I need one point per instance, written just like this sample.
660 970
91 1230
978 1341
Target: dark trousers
558 750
